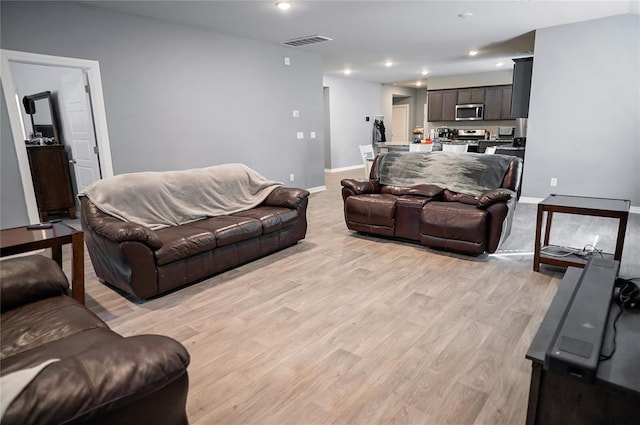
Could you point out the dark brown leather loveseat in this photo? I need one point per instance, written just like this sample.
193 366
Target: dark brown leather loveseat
432 214
145 262
99 377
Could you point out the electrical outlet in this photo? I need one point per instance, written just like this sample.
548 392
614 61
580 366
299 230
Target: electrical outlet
291 177
300 135
296 114
554 181
287 60
313 135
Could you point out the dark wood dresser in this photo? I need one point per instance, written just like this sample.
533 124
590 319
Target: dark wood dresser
51 180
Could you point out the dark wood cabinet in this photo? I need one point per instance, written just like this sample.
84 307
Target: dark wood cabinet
506 102
449 105
497 104
522 71
51 180
442 105
496 100
471 95
434 104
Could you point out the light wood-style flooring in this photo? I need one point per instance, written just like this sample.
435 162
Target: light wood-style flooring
348 329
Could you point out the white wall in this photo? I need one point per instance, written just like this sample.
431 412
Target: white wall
31 79
584 115
495 78
178 97
387 93
350 101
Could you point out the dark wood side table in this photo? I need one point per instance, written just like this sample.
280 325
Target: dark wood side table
581 205
613 397
20 239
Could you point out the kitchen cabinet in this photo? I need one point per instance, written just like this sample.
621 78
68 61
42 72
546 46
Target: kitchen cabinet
522 71
51 180
497 103
442 105
471 95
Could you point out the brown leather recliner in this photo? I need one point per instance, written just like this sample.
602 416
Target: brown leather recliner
100 377
431 215
146 263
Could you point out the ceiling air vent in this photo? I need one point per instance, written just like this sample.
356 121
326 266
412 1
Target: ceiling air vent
309 39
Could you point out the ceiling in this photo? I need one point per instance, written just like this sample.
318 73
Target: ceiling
414 35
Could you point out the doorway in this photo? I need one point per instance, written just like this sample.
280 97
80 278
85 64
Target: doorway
90 71
400 123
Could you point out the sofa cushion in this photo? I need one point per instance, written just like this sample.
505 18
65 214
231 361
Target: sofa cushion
30 278
450 196
179 242
41 322
491 197
271 218
230 229
408 210
455 221
371 209
427 190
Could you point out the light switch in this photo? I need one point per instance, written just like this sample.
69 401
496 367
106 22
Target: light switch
300 135
313 134
296 114
287 60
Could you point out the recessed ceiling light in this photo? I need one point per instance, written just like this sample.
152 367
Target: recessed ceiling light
347 71
425 72
499 64
388 64
283 5
465 15
473 52
418 83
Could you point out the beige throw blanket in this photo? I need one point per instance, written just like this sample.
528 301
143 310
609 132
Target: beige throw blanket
170 198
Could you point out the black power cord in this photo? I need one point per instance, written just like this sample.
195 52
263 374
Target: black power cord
627 297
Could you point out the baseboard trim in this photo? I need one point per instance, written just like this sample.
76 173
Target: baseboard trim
317 189
529 200
337 170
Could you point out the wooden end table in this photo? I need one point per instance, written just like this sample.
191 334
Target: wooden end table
20 239
581 205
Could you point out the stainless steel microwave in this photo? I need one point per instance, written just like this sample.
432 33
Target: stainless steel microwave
470 112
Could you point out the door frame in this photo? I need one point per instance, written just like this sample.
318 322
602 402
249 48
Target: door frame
92 68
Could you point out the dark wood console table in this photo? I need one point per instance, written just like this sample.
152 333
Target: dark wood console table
581 205
613 398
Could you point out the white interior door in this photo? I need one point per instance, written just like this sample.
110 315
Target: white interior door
400 123
79 133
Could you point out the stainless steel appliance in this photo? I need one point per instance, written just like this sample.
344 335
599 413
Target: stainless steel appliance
470 112
444 132
471 134
471 137
520 136
506 132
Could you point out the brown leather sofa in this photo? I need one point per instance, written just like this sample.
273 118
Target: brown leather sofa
146 263
431 215
100 377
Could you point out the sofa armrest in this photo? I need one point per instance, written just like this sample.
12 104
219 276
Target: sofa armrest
493 196
286 197
105 380
28 279
117 230
359 187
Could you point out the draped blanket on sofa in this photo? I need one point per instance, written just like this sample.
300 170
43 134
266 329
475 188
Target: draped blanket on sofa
171 198
467 173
